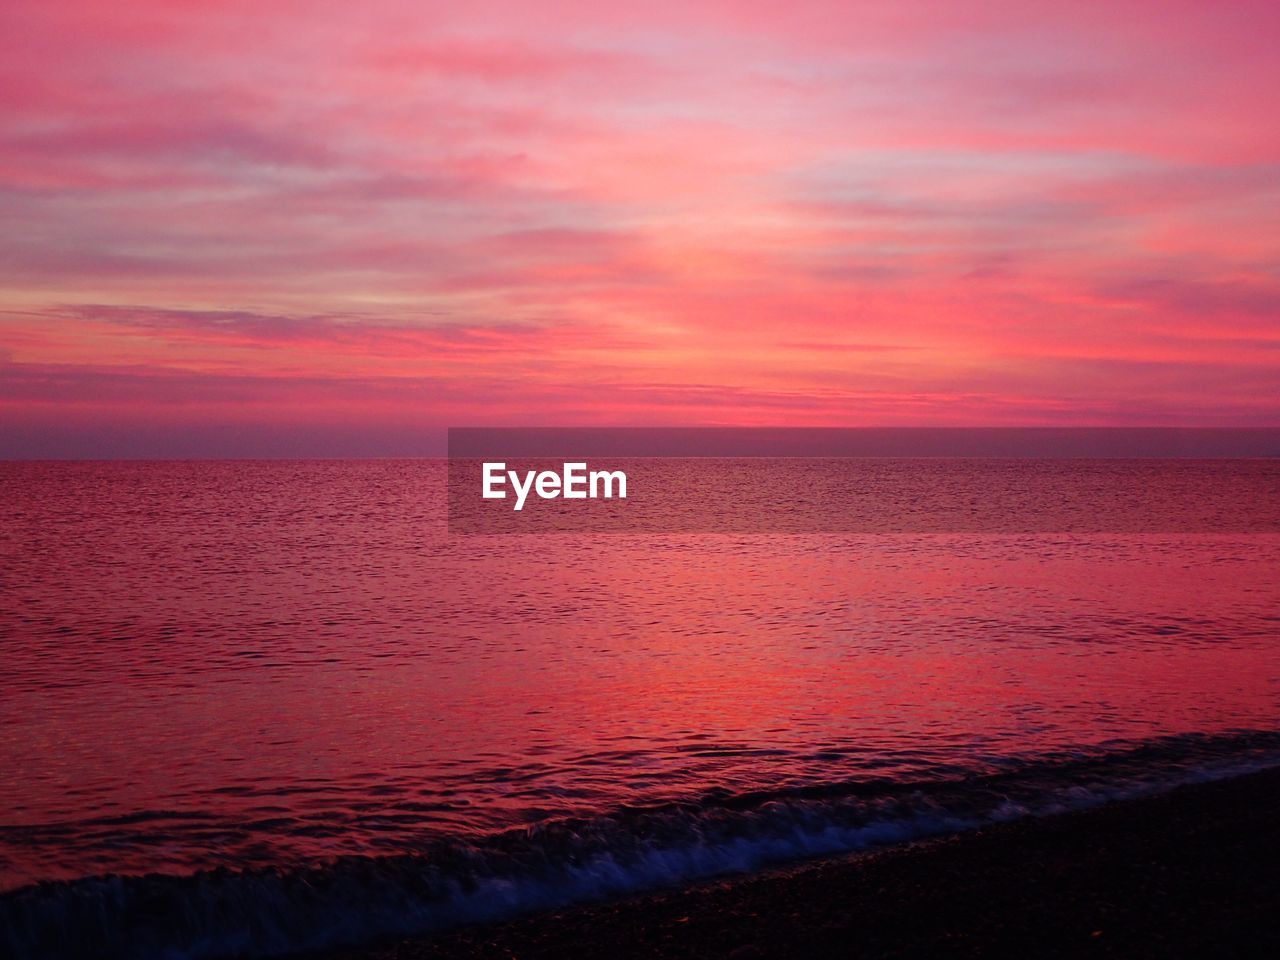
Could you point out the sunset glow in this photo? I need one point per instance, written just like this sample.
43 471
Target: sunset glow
236 227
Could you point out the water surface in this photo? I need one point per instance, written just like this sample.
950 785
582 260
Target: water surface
290 670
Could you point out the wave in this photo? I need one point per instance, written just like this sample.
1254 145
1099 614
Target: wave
357 900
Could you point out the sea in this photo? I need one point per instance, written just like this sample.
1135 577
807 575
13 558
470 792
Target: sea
255 708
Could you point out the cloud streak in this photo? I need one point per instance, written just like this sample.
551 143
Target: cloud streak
746 212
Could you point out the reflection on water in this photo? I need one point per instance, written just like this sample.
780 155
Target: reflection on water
252 664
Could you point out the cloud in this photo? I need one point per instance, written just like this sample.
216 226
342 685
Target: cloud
833 211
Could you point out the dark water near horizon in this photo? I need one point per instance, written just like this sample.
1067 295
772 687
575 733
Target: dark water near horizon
254 707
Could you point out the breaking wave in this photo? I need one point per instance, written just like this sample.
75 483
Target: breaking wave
356 900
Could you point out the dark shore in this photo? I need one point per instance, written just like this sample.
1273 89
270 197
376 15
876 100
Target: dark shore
1195 872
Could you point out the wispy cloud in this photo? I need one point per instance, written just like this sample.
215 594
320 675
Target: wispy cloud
733 211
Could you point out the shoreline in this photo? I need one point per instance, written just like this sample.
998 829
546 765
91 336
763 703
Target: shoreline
1191 872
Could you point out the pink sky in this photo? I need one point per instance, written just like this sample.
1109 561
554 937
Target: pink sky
328 228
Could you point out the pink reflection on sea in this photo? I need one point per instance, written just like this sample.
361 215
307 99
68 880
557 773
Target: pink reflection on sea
253 663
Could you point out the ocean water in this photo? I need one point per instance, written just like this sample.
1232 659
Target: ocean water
250 708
